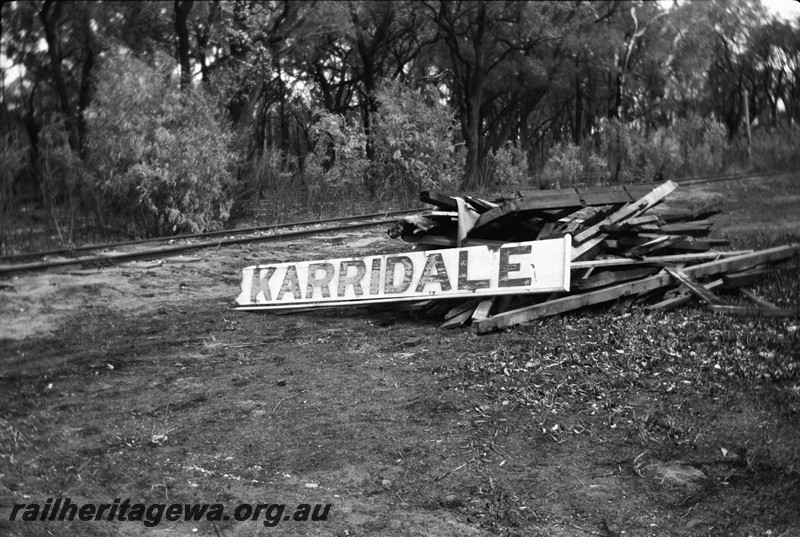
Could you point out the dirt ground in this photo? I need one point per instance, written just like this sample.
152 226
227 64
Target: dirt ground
142 382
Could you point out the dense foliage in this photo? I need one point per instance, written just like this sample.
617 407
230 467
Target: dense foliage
384 98
160 155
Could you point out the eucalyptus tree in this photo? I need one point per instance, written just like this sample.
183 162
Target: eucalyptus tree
501 60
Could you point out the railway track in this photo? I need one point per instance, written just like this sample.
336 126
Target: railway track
729 177
10 264
111 259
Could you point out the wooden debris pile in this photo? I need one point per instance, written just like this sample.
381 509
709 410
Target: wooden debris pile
622 251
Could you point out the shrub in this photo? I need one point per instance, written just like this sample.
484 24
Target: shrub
270 175
413 138
651 157
67 188
508 167
12 162
161 155
563 168
338 162
773 150
595 167
703 143
690 146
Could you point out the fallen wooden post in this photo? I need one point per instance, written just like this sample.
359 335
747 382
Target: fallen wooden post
757 299
694 287
744 310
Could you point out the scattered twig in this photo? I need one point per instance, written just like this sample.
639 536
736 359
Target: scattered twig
448 472
285 399
571 525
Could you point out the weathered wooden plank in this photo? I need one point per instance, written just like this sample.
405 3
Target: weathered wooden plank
695 288
682 297
480 205
745 261
592 196
459 319
440 200
553 215
609 277
634 240
569 303
547 228
482 310
467 216
439 308
601 214
429 238
544 199
699 228
703 211
625 228
744 310
699 245
764 303
654 245
662 259
646 223
587 237
553 307
634 209
747 277
644 219
461 308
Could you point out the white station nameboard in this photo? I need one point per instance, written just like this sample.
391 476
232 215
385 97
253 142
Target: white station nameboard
514 268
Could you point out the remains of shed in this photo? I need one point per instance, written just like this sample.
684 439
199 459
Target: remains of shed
619 253
610 250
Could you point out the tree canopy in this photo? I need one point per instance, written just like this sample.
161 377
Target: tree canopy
526 76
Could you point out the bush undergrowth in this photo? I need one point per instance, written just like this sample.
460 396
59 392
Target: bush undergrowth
160 154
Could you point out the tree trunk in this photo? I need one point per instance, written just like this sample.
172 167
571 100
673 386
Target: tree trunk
182 9
201 34
369 104
577 135
50 13
476 83
86 90
472 175
469 73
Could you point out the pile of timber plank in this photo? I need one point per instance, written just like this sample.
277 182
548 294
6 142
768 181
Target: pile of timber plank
621 251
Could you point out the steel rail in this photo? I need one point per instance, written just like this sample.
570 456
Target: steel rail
156 253
732 177
235 231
